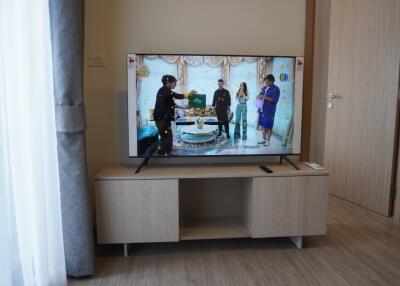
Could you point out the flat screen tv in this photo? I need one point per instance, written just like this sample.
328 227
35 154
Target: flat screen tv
214 105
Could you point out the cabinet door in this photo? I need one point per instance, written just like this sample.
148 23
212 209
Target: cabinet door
137 211
289 206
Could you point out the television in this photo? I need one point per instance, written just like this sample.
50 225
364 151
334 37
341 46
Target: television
263 116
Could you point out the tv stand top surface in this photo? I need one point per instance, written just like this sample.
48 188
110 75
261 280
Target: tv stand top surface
205 171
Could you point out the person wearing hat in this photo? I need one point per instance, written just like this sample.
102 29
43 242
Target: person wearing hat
270 96
164 112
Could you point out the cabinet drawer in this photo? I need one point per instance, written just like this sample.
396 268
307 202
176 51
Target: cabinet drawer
129 211
289 206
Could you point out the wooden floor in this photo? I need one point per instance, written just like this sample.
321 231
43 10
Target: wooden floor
361 248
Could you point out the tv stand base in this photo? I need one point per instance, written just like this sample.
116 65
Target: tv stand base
147 155
284 157
145 162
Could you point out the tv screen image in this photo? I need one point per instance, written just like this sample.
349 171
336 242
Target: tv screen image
237 109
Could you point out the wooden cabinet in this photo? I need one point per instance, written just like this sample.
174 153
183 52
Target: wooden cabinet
131 211
289 206
163 204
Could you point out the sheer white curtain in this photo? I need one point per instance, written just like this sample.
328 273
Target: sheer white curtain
31 245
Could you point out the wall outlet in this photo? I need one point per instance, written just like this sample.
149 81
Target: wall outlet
96 61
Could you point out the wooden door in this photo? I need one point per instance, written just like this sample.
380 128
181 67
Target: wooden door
364 56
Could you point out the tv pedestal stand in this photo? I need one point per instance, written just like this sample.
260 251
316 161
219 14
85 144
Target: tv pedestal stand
147 156
281 158
285 157
144 163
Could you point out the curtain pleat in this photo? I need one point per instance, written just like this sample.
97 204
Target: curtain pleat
67 48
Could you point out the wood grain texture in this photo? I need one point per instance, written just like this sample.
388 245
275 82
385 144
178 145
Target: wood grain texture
292 206
137 211
364 71
204 171
145 208
213 228
396 203
360 248
248 203
396 206
308 80
396 163
320 80
202 198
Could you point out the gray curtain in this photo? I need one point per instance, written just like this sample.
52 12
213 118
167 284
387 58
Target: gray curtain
66 19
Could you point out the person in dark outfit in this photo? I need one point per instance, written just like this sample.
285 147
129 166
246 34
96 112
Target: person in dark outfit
222 104
164 112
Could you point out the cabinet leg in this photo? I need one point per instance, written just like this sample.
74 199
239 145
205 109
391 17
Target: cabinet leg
297 241
126 249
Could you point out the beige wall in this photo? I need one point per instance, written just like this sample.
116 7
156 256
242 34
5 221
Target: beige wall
113 28
320 80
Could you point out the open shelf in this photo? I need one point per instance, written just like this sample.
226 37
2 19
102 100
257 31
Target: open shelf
213 228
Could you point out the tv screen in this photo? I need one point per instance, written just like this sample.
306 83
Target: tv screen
214 105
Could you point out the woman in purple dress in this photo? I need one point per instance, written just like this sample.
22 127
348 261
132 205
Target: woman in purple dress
270 94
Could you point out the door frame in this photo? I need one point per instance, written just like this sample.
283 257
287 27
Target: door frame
308 79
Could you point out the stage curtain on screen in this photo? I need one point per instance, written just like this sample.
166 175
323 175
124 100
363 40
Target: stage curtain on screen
264 66
139 63
180 69
67 48
182 75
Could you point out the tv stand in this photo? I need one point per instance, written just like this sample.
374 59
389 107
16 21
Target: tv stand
285 157
145 161
147 156
173 203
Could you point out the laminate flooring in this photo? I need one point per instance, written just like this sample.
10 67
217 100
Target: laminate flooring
360 248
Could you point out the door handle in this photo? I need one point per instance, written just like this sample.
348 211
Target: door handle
331 96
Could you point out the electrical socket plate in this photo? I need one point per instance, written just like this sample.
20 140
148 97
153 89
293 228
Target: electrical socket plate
96 61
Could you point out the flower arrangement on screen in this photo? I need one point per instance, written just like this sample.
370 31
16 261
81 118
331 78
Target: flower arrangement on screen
143 71
208 111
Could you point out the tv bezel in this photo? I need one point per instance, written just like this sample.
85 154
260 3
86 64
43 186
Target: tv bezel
209 156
